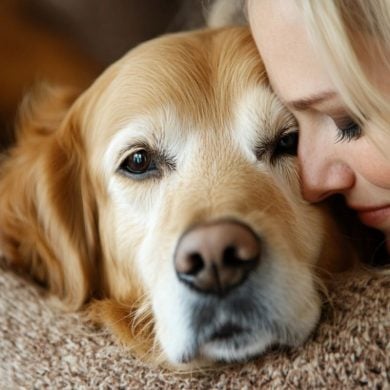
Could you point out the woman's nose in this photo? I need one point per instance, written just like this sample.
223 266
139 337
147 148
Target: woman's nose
323 173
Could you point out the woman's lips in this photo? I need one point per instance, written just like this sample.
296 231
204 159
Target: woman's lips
374 217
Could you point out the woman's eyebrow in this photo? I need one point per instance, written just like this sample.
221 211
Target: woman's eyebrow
305 103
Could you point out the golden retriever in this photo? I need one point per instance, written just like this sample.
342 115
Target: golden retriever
167 195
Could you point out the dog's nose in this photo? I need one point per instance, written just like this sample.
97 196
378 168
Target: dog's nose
215 258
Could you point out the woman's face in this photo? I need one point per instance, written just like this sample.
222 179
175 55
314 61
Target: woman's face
334 155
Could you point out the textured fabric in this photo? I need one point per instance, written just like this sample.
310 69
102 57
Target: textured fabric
42 348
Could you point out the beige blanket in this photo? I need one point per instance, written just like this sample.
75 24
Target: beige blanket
41 348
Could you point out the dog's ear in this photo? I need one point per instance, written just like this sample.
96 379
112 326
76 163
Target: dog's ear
47 206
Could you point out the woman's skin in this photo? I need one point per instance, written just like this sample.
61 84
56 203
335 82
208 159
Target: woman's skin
335 155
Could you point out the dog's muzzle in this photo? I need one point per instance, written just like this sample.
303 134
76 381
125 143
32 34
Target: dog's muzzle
231 300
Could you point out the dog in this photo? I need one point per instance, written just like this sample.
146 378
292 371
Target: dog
166 200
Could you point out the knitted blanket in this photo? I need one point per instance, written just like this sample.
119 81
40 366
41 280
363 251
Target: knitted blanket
42 348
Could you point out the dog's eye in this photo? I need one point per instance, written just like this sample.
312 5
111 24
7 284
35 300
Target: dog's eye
287 144
138 162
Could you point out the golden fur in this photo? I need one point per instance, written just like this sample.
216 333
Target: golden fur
68 217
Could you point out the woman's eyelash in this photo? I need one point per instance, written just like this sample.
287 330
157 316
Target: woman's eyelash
352 131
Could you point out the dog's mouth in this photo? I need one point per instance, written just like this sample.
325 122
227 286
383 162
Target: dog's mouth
232 329
227 332
229 343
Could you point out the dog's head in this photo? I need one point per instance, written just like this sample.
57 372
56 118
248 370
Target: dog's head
170 189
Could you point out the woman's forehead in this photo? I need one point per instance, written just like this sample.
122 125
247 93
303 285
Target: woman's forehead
293 65
285 11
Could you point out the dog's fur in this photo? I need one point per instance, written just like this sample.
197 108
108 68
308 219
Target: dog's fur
201 102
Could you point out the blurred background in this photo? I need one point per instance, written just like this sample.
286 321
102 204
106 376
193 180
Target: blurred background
71 41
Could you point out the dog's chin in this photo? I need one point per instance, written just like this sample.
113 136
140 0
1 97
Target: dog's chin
237 347
240 326
234 344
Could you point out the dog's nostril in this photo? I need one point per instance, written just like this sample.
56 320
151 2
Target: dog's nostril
230 258
233 258
189 264
195 263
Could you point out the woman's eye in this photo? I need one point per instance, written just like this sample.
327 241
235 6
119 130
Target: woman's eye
138 162
287 144
350 131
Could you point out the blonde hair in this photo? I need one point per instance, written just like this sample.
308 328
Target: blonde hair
339 28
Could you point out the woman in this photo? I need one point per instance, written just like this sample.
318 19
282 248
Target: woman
329 62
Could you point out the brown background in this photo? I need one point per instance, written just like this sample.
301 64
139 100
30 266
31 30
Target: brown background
71 41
